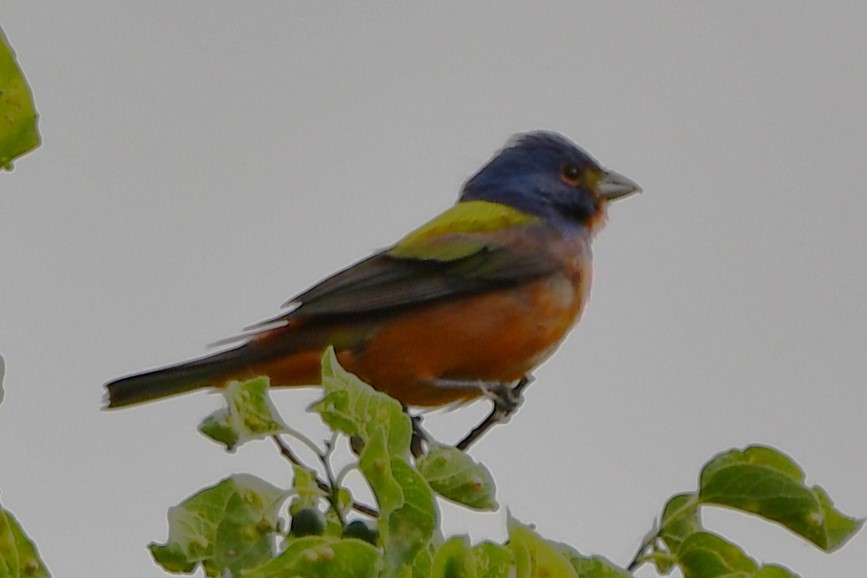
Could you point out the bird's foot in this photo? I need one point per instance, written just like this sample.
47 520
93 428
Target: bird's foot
506 399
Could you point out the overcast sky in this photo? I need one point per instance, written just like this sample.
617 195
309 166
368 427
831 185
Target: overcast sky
204 161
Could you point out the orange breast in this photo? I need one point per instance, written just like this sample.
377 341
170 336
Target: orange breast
492 337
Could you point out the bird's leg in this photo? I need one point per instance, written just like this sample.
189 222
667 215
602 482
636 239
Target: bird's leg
506 400
420 437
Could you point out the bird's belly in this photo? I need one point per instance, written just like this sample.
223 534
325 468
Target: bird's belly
491 337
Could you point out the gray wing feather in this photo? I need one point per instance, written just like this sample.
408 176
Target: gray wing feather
382 283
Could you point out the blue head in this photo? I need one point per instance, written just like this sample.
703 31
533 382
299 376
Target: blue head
545 174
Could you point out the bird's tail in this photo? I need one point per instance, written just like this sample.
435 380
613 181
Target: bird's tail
199 373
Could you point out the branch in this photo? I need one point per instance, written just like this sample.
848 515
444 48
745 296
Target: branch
287 453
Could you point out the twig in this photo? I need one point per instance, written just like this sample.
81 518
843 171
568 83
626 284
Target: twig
287 453
646 543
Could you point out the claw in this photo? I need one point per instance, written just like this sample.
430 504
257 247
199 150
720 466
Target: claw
506 400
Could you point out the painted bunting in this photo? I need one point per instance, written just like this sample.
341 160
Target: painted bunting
472 300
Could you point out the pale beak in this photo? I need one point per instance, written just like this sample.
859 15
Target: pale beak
615 186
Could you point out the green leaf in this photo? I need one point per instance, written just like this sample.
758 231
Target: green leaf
18 555
422 564
226 527
376 465
354 408
322 557
598 567
591 566
680 518
307 490
774 571
704 555
493 560
536 557
454 559
18 132
455 476
407 509
10 564
408 515
248 415
409 528
765 482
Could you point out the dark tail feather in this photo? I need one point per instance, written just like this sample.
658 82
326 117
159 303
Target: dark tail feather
176 379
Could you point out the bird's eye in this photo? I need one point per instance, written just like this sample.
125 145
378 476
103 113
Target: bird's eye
571 174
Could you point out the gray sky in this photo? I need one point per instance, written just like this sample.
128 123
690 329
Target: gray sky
204 161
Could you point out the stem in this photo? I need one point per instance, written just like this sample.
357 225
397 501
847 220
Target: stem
287 453
303 439
653 538
334 488
345 471
647 543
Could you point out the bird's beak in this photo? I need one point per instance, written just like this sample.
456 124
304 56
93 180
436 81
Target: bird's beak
615 186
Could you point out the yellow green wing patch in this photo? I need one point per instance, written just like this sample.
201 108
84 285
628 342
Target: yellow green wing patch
437 239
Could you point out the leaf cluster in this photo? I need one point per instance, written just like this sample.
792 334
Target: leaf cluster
244 527
757 480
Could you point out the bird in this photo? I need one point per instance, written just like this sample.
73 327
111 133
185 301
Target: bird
471 301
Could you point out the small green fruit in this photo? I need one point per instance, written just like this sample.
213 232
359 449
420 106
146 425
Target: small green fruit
360 530
307 522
